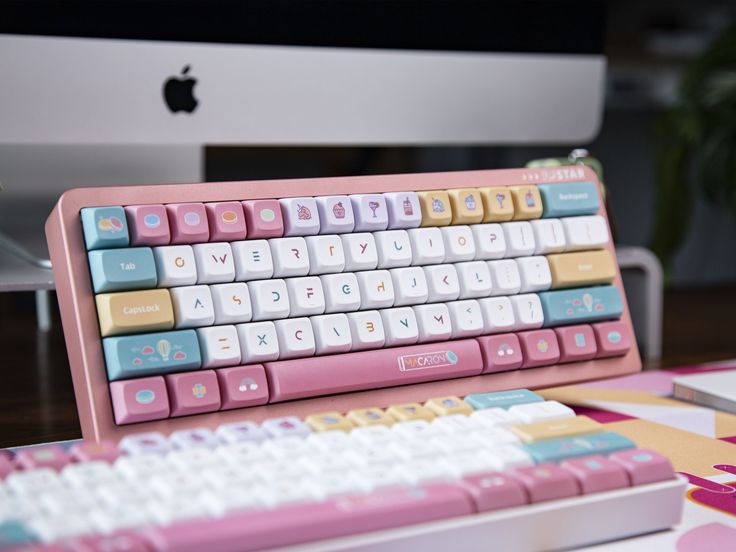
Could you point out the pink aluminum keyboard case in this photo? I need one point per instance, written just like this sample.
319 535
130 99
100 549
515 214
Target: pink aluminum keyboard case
82 333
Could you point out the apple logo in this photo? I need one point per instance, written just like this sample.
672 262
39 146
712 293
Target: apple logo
179 92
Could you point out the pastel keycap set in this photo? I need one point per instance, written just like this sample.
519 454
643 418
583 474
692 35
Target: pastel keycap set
235 301
248 486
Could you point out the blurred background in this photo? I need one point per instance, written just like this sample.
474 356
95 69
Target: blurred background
666 146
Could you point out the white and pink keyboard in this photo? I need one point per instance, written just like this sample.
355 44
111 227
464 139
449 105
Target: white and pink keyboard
264 357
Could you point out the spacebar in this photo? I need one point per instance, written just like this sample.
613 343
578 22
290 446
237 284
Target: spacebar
249 530
314 376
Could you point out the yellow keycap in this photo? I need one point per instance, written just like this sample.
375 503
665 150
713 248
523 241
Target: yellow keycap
581 269
467 206
410 411
444 406
436 209
328 421
497 204
554 429
134 312
362 417
527 202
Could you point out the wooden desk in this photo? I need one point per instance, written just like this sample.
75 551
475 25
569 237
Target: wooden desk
37 399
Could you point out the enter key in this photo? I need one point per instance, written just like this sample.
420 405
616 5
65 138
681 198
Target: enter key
555 429
581 269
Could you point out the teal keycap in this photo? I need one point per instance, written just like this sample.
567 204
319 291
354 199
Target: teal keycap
568 200
122 269
104 227
557 450
502 399
573 306
132 356
15 533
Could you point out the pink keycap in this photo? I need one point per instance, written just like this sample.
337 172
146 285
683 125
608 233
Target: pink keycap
263 218
121 541
148 224
613 339
310 377
245 531
546 482
188 223
226 221
576 343
243 386
6 465
105 451
193 392
596 473
500 352
51 456
139 400
494 491
644 466
539 348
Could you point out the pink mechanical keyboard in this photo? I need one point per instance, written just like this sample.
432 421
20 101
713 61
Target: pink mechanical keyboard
268 364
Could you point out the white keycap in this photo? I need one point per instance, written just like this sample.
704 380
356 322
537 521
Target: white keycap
342 293
140 467
67 526
330 441
305 296
244 454
373 435
335 214
491 438
454 424
373 454
400 326
192 306
370 212
360 252
531 413
172 509
527 311
394 248
519 238
194 437
120 517
219 346
505 278
414 430
290 257
87 475
296 338
337 484
366 330
175 483
269 299
382 476
433 322
224 476
410 285
428 470
288 448
193 459
490 242
376 289
241 432
301 217
549 236
258 342
474 279
233 498
509 457
69 501
427 246
498 314
331 334
231 303
404 210
145 443
33 481
466 318
459 243
534 273
326 255
442 282
253 260
175 265
495 417
287 426
468 463
453 444
585 232
214 263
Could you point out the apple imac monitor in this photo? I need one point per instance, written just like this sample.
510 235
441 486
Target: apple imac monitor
122 91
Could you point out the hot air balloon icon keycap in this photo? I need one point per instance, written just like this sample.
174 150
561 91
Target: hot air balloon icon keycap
155 353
